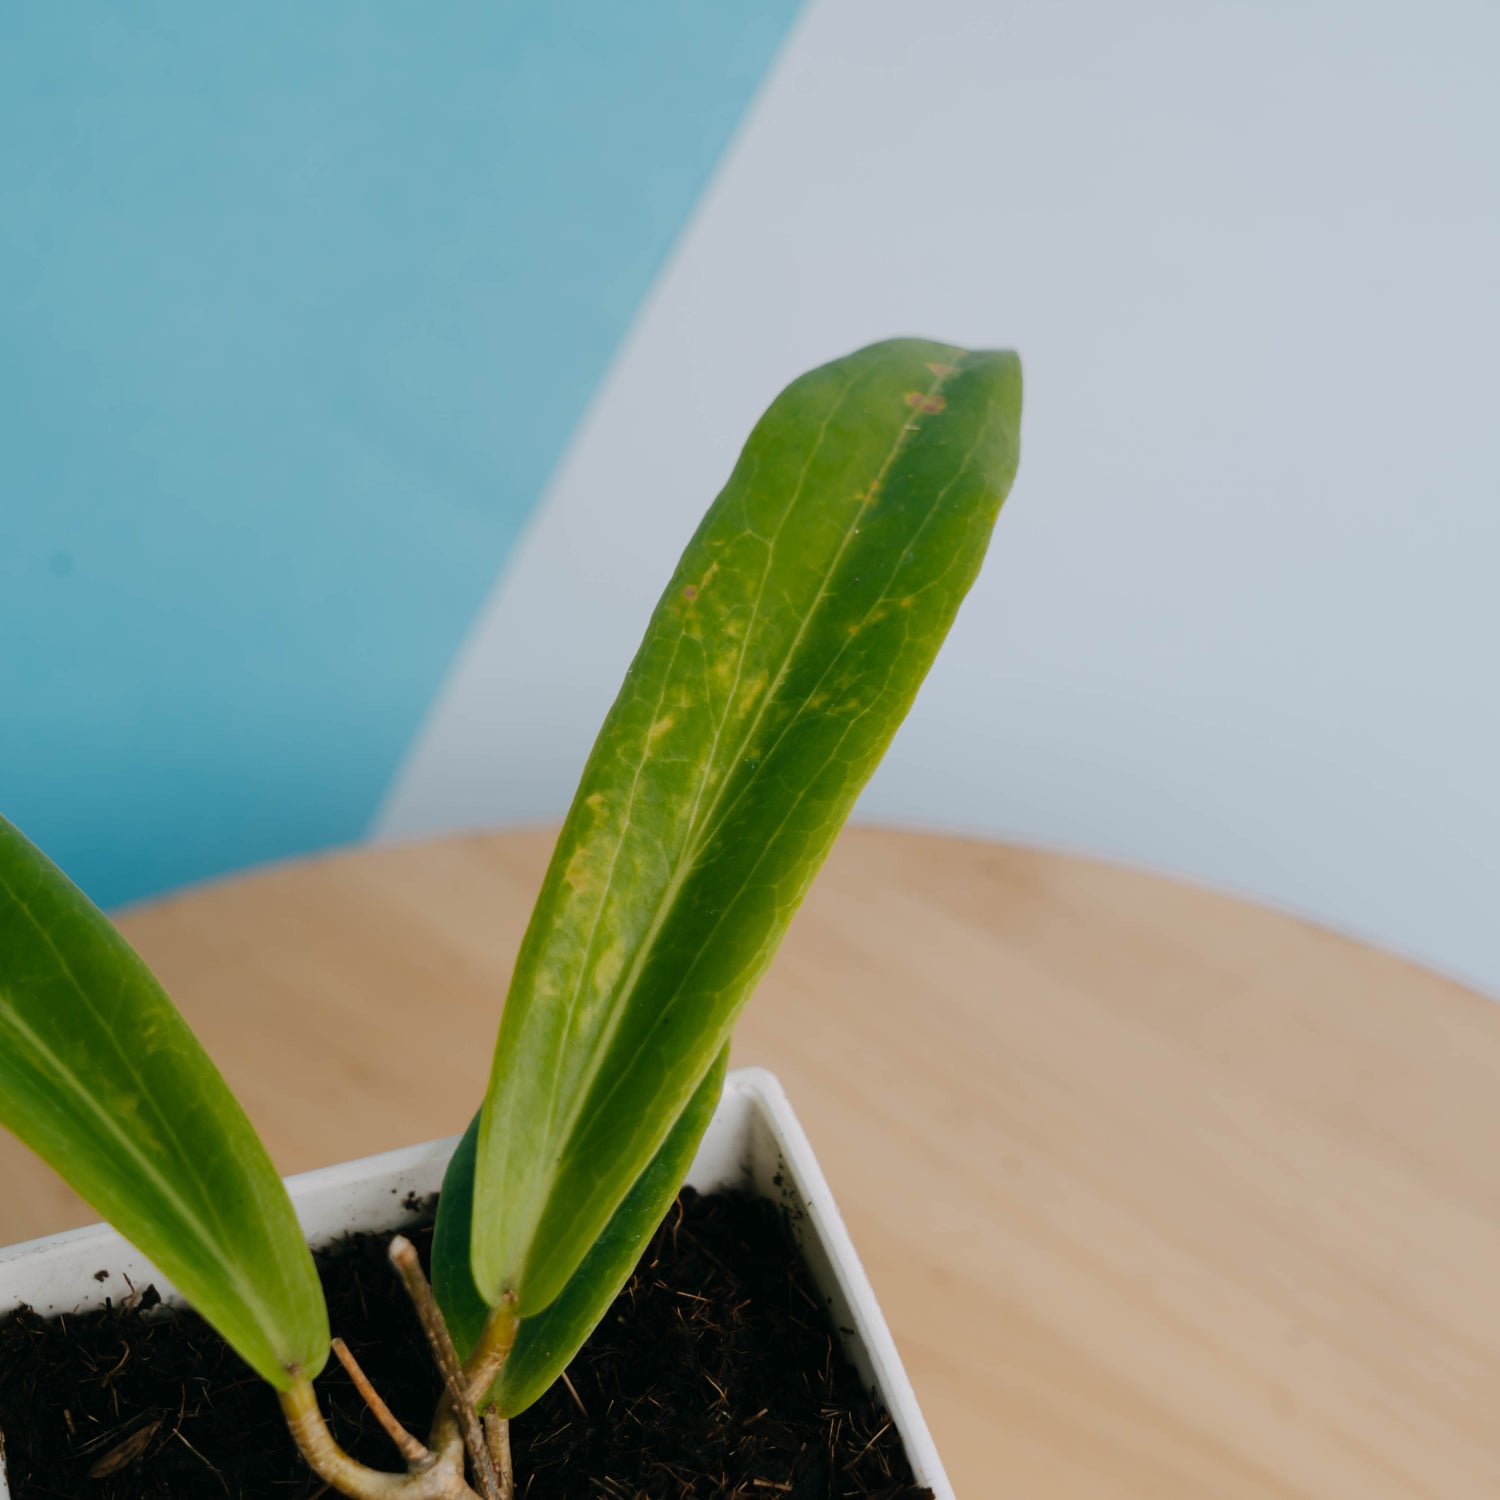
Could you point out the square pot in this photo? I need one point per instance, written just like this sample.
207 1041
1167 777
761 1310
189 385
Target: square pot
753 1141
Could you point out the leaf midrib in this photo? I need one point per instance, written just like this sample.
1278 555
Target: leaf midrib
696 843
210 1234
674 882
143 1162
672 1000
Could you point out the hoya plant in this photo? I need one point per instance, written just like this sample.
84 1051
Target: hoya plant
787 648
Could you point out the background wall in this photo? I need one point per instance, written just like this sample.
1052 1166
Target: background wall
299 306
1240 617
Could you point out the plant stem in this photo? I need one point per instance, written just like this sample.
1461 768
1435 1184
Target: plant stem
440 1480
480 1371
497 1434
490 1351
404 1257
415 1454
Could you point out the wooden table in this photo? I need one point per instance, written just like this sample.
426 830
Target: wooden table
1166 1196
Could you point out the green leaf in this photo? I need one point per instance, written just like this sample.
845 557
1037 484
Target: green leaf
546 1343
786 650
464 1310
102 1078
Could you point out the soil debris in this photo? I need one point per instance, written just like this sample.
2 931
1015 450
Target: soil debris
715 1374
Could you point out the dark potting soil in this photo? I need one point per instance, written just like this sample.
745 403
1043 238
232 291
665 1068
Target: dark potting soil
715 1374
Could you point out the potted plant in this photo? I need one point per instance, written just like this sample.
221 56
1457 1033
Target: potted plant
790 641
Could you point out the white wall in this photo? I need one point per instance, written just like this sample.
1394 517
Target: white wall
1240 617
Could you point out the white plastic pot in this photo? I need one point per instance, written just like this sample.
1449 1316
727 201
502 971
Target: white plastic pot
753 1141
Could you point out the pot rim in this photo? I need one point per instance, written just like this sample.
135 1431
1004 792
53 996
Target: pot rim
755 1139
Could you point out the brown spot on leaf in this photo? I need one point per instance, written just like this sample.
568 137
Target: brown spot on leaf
921 401
943 371
690 592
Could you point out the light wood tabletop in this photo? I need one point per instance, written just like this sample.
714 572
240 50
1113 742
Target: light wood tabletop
1165 1195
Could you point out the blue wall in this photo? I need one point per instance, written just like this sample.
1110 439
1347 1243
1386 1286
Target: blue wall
299 306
